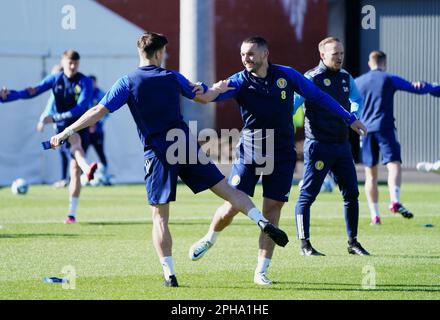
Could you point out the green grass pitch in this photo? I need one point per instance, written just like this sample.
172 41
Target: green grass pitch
112 254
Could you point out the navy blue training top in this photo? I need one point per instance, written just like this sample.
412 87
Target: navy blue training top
267 103
153 96
72 96
378 88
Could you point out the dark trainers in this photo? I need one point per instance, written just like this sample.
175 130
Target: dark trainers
171 282
397 207
277 235
356 248
308 250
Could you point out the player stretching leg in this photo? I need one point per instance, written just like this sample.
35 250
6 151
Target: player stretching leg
72 92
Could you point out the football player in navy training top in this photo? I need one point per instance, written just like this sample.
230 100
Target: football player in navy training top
326 147
50 109
264 92
72 92
153 96
378 88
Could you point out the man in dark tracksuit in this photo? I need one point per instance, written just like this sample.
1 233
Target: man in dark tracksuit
326 147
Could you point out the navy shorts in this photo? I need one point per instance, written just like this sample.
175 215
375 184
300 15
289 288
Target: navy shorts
276 186
161 178
383 142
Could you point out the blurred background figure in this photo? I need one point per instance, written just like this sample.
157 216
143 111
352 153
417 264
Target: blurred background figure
49 111
378 88
97 140
429 167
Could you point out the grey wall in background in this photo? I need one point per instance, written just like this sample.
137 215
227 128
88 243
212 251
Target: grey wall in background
409 33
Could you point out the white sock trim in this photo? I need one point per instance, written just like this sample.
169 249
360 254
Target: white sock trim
211 236
73 204
256 215
395 194
167 266
374 209
262 265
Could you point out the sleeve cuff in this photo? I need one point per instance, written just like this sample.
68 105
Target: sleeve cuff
353 117
204 86
62 116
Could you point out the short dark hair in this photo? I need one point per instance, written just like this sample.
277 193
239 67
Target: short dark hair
71 54
378 56
150 42
259 41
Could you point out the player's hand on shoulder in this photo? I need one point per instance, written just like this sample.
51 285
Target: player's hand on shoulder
359 128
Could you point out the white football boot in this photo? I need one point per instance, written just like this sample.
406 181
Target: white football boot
261 279
199 249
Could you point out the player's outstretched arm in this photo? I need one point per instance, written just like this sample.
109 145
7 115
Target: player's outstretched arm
87 119
7 95
212 93
308 90
418 87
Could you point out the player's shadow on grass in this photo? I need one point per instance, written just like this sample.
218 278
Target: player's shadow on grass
38 235
407 256
115 223
129 223
328 286
356 287
404 256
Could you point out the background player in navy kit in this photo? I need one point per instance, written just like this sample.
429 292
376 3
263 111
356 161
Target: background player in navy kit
431 166
153 96
378 88
326 147
50 109
73 92
97 132
265 93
